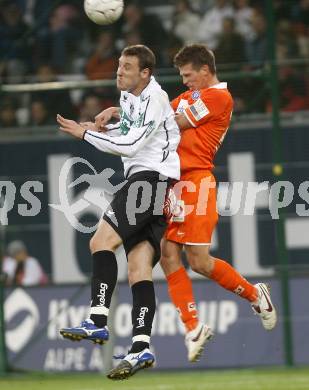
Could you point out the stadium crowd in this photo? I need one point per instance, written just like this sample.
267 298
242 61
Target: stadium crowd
48 40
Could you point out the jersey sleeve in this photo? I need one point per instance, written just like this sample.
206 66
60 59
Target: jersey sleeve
208 106
113 129
175 102
141 131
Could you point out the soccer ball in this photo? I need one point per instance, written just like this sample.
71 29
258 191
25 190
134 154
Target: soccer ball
103 12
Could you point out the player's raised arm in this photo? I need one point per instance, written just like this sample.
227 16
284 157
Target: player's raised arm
140 132
90 126
70 127
106 115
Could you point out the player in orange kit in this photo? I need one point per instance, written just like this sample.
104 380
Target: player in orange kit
203 114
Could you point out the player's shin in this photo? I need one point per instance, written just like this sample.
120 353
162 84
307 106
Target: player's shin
181 294
143 311
104 278
227 277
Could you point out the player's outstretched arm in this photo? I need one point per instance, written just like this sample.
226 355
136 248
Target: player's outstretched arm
70 127
106 115
127 145
89 126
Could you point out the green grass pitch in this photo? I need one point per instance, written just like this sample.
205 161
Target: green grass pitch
259 379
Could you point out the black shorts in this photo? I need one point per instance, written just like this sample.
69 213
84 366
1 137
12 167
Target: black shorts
136 212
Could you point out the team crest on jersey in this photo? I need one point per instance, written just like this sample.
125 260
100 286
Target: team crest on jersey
195 95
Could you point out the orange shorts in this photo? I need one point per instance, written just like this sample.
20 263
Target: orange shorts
195 216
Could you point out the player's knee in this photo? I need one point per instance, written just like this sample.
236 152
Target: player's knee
108 243
133 276
137 274
170 260
169 264
93 245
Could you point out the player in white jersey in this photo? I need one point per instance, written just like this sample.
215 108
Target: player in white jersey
146 137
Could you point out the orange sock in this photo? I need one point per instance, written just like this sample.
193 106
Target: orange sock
181 294
225 275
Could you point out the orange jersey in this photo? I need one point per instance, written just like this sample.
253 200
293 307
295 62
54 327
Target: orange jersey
209 111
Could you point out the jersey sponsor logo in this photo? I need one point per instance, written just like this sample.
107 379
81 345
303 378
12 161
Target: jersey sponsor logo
125 123
199 110
195 95
140 120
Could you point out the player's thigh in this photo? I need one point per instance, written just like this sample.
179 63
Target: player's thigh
199 218
140 261
105 238
170 256
134 224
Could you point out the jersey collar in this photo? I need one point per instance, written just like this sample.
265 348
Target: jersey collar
222 85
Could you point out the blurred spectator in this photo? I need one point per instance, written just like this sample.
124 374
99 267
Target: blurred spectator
231 53
185 22
302 39
174 44
104 61
243 15
40 116
14 47
7 113
59 42
256 47
300 17
282 9
57 101
300 12
293 93
231 45
50 37
212 23
21 268
286 44
149 28
91 106
132 38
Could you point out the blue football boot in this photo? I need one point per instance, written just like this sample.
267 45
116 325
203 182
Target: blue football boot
88 331
131 364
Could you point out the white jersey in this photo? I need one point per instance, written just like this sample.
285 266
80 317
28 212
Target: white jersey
147 135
